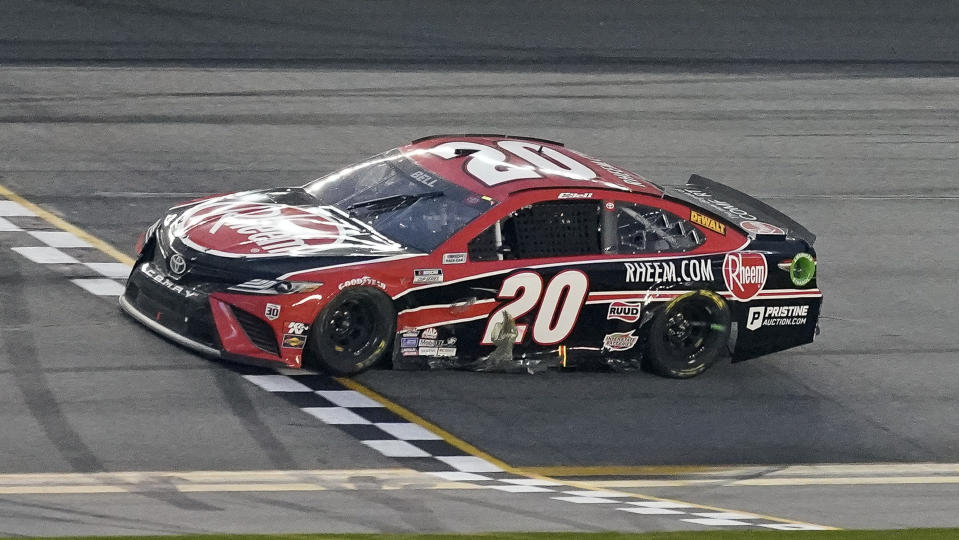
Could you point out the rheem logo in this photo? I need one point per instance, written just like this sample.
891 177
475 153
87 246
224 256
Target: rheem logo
744 274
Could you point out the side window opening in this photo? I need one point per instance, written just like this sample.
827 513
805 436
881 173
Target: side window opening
644 229
546 229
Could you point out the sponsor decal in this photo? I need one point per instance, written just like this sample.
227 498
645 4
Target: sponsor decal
625 176
430 333
255 285
297 328
409 342
409 352
575 196
177 265
610 206
423 178
272 311
427 351
620 341
446 351
237 228
454 258
710 223
624 311
451 341
292 341
428 275
365 281
166 282
669 272
776 316
759 227
410 332
745 274
712 202
428 343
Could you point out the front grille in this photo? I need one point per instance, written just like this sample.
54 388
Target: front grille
258 331
188 317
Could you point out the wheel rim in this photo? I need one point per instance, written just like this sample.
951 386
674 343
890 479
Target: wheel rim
687 330
352 327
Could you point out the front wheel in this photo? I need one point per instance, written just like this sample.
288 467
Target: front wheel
353 331
687 335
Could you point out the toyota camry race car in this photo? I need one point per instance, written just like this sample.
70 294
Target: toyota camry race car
482 252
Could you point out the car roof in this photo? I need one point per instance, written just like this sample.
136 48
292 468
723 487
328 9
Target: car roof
547 165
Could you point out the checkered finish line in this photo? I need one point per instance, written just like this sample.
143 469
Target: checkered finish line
40 242
418 448
323 397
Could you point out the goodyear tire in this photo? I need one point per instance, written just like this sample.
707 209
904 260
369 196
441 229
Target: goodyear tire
352 332
687 335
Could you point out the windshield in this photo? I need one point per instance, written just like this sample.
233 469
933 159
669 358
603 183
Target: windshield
401 200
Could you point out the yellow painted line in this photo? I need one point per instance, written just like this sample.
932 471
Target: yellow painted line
652 470
406 414
846 481
61 490
63 225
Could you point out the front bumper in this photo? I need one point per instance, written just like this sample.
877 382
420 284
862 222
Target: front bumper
192 317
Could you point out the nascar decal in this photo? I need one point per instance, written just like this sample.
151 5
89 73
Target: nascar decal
667 271
624 311
620 341
745 274
710 223
776 316
759 227
454 258
428 275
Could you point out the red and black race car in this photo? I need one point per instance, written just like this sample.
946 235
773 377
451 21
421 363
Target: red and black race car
483 252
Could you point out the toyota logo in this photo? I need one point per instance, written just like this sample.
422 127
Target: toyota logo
177 264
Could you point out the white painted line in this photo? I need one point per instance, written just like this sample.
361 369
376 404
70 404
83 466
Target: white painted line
650 511
45 255
6 226
406 431
469 464
391 448
792 526
348 398
277 383
531 482
587 500
523 489
596 493
661 504
456 476
296 371
336 415
710 521
725 515
100 286
10 208
60 239
110 270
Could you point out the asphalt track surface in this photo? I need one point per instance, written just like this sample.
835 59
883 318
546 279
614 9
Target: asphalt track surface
864 157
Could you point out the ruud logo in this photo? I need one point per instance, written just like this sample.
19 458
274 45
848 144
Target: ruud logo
177 264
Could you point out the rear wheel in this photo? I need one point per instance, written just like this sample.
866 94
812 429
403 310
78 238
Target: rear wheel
353 331
687 336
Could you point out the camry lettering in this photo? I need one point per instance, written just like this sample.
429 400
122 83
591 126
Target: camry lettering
667 271
179 289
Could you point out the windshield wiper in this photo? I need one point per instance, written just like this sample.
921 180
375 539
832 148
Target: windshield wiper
397 200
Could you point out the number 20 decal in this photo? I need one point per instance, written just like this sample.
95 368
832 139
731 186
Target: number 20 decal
491 165
559 305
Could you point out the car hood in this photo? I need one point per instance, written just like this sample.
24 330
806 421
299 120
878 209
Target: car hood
279 223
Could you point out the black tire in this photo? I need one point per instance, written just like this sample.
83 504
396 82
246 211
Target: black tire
352 332
687 335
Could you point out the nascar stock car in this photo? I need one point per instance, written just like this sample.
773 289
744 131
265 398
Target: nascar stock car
482 252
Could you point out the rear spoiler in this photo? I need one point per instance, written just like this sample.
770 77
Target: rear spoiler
738 208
